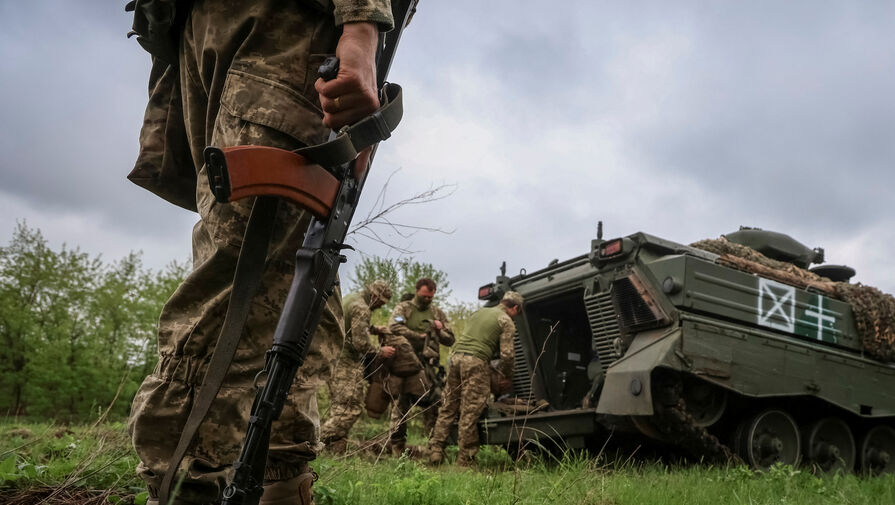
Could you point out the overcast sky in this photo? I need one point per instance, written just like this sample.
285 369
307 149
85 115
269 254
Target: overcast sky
682 119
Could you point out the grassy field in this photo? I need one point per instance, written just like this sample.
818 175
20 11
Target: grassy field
94 464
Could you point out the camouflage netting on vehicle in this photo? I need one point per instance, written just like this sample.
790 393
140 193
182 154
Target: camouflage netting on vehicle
874 316
874 310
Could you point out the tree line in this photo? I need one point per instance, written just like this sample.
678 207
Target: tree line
401 275
78 333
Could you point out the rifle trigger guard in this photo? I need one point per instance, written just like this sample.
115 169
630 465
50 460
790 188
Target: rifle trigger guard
256 380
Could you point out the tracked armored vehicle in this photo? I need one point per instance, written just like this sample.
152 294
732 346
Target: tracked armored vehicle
721 354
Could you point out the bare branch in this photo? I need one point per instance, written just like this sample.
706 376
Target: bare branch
381 214
377 239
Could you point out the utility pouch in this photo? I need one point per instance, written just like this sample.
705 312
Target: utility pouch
164 165
406 362
377 399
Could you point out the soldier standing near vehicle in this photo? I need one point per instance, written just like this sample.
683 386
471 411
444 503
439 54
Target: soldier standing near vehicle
346 388
417 330
227 74
488 331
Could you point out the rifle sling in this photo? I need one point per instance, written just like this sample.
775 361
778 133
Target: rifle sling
250 264
353 139
243 171
247 278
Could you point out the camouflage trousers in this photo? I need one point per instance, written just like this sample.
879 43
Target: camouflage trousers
465 395
346 393
405 393
402 413
245 77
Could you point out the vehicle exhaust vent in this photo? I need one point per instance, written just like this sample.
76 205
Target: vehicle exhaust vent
522 377
635 305
603 326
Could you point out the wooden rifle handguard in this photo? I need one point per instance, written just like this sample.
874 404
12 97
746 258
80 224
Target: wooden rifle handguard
243 171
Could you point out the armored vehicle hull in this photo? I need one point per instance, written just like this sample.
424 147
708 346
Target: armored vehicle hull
678 345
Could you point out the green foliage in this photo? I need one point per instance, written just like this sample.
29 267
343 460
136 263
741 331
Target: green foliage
574 478
96 457
100 458
401 275
458 313
76 334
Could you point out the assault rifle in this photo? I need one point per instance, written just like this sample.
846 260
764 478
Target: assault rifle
327 180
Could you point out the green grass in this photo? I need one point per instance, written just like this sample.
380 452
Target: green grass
36 456
41 455
587 481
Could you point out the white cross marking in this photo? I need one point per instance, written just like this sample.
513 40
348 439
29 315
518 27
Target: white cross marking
820 316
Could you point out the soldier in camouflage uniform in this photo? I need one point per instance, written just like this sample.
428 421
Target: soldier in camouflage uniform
245 74
488 331
417 329
346 387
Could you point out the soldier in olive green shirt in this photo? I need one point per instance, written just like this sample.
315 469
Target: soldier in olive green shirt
489 330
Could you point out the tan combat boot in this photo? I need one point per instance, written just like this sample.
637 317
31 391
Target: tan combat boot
397 447
436 456
465 461
294 491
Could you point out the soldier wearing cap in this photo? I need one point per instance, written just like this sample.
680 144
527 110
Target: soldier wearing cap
347 385
489 330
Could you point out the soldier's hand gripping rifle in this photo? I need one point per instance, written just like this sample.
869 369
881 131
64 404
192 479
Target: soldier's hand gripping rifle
327 180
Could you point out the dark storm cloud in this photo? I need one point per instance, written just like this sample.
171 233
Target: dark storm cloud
73 99
786 112
682 119
768 114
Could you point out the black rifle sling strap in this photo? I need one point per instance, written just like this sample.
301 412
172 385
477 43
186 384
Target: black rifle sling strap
349 141
250 265
246 279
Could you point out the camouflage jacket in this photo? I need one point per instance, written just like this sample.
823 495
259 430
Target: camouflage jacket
358 341
165 165
350 11
406 327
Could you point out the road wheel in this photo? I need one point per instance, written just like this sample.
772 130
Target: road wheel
877 451
705 402
768 438
830 446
